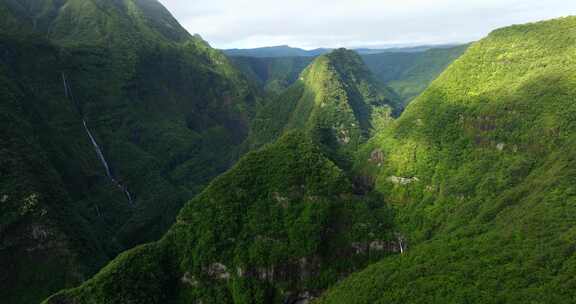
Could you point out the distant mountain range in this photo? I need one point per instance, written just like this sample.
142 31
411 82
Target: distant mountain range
288 51
407 71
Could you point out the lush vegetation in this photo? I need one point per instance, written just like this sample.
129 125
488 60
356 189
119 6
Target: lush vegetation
409 73
476 176
276 51
281 222
169 113
488 150
273 75
336 100
285 222
406 71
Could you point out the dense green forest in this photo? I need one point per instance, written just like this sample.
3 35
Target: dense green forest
486 199
283 224
272 74
336 100
279 225
275 52
406 71
168 113
140 165
409 73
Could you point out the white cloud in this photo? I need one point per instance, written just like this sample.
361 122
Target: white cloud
334 23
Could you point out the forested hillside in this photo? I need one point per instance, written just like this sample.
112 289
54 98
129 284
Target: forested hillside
112 117
286 222
140 165
480 168
279 227
336 100
409 73
406 71
272 74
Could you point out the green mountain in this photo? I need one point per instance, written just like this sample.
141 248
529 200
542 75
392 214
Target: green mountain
410 73
336 100
276 51
279 227
287 51
272 74
407 71
112 116
481 168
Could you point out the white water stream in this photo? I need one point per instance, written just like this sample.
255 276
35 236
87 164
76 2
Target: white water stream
97 148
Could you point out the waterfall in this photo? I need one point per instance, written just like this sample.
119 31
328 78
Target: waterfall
65 86
401 243
99 152
97 148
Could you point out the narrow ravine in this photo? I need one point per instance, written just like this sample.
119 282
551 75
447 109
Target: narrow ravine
122 187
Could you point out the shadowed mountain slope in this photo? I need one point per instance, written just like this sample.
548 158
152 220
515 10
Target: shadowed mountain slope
113 117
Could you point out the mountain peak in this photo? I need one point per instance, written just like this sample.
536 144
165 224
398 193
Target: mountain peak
93 22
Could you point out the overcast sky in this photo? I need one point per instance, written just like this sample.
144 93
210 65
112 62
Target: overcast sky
355 23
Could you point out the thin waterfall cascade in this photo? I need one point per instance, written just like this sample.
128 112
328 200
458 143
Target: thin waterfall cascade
122 187
99 152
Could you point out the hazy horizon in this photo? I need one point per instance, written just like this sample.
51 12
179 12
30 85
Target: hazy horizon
362 23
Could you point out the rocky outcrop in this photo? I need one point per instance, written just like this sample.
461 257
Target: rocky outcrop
402 180
396 245
377 157
218 271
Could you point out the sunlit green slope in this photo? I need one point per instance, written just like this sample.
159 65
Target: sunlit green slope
336 100
405 71
481 168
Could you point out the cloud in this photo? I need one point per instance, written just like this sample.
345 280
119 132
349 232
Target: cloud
335 23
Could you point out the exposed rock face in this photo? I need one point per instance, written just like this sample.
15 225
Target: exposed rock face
343 136
304 297
189 279
218 271
397 245
39 233
377 157
402 180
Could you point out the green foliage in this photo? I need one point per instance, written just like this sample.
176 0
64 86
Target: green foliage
490 143
273 74
141 275
281 221
169 113
336 100
408 74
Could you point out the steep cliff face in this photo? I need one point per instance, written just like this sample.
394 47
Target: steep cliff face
282 225
167 112
481 166
336 100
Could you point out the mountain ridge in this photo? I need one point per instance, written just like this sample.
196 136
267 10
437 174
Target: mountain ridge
154 101
288 51
481 175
